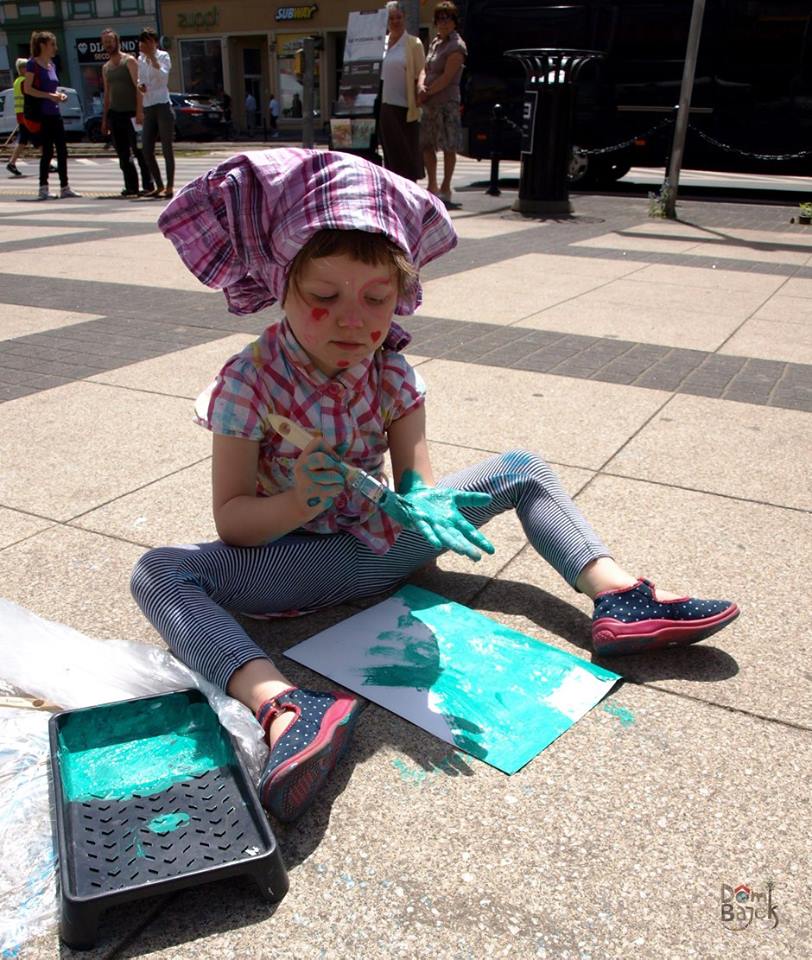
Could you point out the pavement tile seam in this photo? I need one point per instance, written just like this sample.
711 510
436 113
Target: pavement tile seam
144 486
680 694
603 472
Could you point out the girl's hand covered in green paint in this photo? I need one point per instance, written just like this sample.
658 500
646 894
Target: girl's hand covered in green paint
434 512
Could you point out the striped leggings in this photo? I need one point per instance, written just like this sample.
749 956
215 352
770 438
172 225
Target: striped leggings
184 591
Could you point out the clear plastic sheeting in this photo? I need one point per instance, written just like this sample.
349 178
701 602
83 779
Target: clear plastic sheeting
52 662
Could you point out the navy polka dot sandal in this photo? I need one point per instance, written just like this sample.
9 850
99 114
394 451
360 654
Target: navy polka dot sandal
307 751
633 620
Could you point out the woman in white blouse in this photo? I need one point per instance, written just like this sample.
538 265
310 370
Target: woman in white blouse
399 120
159 120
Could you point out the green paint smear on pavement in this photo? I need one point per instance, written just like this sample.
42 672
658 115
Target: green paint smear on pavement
139 747
625 716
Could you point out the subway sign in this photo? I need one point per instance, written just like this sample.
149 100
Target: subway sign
296 13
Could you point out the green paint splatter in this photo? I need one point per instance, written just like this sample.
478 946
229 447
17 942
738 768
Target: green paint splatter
168 822
139 747
409 774
625 716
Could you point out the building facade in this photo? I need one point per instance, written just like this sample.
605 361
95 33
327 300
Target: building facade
218 47
238 47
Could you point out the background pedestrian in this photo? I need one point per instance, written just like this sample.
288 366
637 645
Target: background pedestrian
41 83
399 120
122 106
439 93
159 120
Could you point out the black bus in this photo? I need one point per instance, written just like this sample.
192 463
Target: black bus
752 92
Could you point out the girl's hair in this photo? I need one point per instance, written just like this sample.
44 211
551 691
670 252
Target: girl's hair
447 7
360 245
38 40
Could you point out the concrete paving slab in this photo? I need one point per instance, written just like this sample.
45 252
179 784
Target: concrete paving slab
151 247
470 227
720 446
503 297
78 446
174 509
797 287
71 263
673 230
415 849
644 313
123 212
700 545
17 321
12 233
781 307
773 338
635 243
787 238
183 373
711 278
78 578
534 411
758 253
16 526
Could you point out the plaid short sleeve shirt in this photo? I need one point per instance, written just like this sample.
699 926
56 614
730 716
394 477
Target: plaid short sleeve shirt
355 408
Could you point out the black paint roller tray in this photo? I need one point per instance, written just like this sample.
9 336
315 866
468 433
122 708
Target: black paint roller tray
150 797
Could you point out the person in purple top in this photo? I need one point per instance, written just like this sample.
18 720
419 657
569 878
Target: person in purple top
42 83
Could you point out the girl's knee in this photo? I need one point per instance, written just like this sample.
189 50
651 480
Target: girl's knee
152 570
522 461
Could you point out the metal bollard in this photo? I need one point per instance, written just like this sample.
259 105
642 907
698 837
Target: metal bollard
497 125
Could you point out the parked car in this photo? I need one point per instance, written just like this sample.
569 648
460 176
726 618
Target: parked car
93 124
198 117
73 115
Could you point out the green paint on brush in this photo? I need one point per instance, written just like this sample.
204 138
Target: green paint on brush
139 747
625 716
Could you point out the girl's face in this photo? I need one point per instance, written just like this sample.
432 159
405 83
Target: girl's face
341 309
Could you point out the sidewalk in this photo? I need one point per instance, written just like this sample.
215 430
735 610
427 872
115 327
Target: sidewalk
665 369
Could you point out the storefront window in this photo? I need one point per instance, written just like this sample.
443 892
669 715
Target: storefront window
290 90
202 66
124 8
82 9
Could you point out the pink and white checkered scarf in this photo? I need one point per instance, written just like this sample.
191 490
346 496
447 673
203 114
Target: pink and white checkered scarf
239 226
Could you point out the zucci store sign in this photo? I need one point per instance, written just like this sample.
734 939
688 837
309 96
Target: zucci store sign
200 19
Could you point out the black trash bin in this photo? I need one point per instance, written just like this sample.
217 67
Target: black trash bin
549 94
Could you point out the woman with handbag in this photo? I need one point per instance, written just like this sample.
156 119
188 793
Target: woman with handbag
42 95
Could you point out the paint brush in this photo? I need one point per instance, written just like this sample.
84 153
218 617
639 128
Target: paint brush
357 479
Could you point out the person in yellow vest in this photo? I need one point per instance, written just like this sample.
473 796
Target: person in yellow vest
24 136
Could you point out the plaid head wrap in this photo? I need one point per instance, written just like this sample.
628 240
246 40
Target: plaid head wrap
239 226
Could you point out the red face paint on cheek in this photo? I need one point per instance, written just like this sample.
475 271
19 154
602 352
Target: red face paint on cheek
343 363
318 313
375 335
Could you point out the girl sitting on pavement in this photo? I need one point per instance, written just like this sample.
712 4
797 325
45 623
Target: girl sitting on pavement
339 242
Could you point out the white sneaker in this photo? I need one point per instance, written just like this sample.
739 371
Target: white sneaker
44 195
66 193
